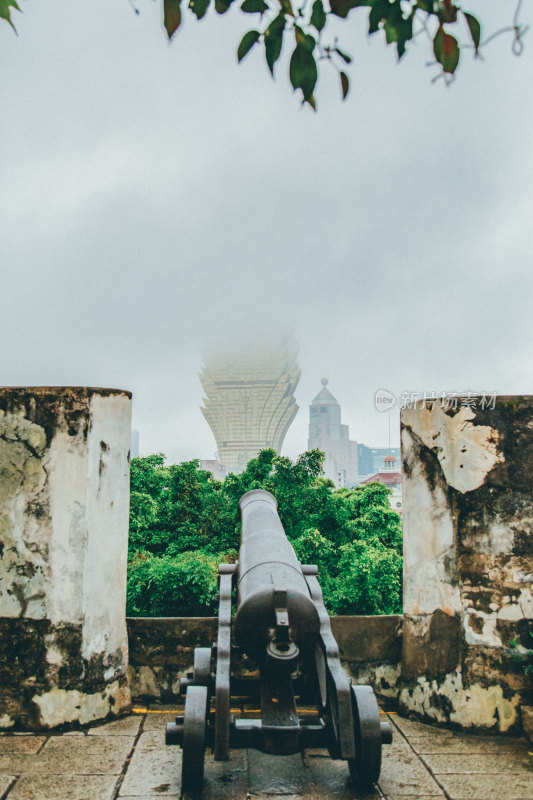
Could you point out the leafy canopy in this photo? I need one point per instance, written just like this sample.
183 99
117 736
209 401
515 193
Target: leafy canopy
305 27
183 523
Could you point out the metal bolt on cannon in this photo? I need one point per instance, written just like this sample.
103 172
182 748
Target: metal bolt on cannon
282 625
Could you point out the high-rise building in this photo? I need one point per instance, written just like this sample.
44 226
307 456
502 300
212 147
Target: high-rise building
249 401
327 433
134 443
374 459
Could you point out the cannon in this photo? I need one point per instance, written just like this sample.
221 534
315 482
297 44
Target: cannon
282 627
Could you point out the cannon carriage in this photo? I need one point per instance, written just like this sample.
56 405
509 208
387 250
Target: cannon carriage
282 625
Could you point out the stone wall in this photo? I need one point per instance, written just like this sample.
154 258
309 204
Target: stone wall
456 657
64 496
161 652
468 570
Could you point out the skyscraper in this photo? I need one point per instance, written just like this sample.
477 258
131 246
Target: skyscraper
249 401
327 433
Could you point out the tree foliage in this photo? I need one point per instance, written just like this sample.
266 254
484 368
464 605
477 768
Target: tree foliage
305 29
6 6
183 523
306 26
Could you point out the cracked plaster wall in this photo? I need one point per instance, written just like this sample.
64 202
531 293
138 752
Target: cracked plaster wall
468 547
64 497
162 652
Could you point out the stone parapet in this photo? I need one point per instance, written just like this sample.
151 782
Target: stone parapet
468 560
64 498
161 651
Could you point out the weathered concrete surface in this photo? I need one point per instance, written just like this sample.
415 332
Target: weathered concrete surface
368 639
161 651
64 496
128 760
468 567
431 645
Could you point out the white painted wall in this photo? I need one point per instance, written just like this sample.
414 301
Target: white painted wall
64 508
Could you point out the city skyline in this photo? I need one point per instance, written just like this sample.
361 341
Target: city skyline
155 195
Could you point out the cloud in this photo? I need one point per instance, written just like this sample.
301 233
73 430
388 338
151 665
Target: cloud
155 195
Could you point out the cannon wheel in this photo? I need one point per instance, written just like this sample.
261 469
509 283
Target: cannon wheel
194 728
365 767
202 666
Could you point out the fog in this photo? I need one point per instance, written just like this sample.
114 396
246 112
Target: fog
155 197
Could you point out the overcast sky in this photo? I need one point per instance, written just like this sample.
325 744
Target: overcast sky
152 193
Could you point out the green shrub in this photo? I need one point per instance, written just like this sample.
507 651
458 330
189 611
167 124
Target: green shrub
183 523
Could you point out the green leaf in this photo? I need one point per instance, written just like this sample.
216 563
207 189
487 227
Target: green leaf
247 42
172 16
303 72
341 8
400 31
391 34
5 10
304 39
345 57
380 11
199 7
447 51
318 16
254 6
474 28
286 7
447 11
221 6
345 84
273 39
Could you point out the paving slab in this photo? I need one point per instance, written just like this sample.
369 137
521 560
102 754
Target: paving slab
402 773
485 787
226 780
62 764
469 744
154 722
5 782
415 797
151 740
416 730
254 796
21 744
423 763
330 778
126 726
119 746
64 787
153 771
276 774
479 764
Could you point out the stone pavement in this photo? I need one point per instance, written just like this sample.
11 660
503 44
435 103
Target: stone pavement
128 760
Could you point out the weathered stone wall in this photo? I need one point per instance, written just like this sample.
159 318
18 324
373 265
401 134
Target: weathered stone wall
468 569
455 657
64 496
161 652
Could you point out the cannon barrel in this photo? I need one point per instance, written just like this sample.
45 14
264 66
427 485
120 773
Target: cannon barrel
271 582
